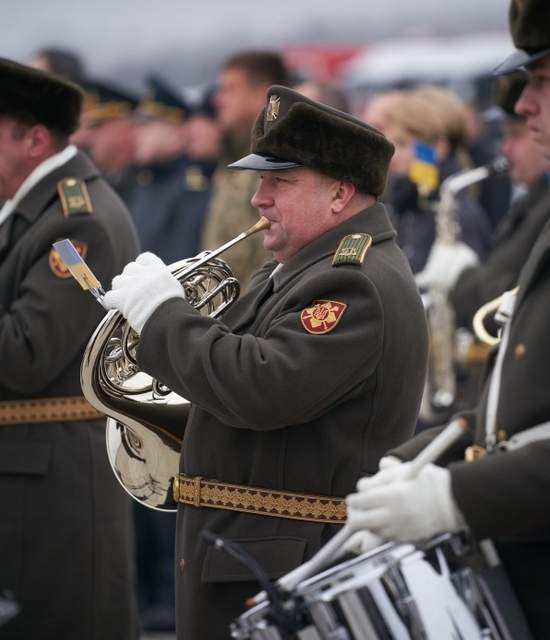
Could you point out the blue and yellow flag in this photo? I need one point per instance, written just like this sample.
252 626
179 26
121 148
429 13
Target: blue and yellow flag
80 271
424 172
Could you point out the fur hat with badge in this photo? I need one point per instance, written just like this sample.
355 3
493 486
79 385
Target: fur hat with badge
529 22
294 131
37 97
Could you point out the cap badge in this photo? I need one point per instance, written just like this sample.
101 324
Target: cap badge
323 316
273 107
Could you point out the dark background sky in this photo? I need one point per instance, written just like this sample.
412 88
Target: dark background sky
185 41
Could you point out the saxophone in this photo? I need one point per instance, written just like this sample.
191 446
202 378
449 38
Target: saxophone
445 342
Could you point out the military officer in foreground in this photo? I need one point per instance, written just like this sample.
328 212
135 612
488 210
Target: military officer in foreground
504 491
65 529
306 379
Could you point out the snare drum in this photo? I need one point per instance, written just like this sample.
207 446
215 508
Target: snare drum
395 592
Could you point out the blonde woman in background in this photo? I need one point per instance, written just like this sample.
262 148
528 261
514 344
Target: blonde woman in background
433 116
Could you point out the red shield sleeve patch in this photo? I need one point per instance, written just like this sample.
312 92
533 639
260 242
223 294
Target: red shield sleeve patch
322 316
57 265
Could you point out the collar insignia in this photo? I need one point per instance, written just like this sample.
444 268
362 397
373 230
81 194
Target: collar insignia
352 249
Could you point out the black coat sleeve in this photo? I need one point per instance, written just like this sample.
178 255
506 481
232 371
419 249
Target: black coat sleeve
51 318
241 378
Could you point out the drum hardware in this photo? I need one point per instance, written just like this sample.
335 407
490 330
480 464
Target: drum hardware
442 589
283 621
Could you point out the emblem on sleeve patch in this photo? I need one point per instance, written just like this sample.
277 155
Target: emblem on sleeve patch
323 316
56 263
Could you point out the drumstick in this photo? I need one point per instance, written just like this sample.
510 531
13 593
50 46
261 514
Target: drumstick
333 549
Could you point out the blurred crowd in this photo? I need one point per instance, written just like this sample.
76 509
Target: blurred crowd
165 153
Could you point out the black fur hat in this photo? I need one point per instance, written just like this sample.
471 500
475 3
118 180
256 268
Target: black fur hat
37 97
293 131
530 31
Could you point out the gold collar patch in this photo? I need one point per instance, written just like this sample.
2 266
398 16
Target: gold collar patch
352 249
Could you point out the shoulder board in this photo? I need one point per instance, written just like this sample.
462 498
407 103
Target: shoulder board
352 249
195 180
74 196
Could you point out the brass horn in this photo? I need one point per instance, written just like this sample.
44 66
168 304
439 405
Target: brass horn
488 309
146 419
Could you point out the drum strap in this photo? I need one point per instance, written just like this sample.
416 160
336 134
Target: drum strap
200 492
36 410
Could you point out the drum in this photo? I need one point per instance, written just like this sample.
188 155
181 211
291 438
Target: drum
395 592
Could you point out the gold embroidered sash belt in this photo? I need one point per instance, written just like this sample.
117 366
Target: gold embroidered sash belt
47 410
201 492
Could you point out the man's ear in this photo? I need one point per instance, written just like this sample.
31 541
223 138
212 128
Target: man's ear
39 141
343 193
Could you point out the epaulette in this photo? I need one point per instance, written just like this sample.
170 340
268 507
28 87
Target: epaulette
195 180
74 196
352 249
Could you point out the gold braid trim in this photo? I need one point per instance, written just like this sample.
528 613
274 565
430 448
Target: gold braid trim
47 410
199 492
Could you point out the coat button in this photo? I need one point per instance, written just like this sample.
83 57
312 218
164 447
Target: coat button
519 351
182 565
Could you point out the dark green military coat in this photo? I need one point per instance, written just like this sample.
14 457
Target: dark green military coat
506 496
515 237
279 407
65 537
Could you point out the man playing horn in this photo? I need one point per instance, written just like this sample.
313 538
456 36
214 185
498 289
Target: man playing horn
306 380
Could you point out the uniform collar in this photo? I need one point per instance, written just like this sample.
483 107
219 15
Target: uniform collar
41 194
39 172
373 221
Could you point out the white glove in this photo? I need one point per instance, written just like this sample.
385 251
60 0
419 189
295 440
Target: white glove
362 542
142 286
445 264
391 472
387 462
396 507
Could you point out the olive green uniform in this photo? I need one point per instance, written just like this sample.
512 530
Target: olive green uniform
65 529
282 402
506 495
